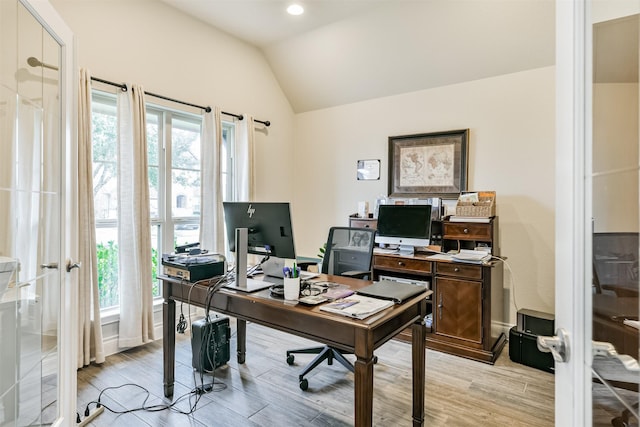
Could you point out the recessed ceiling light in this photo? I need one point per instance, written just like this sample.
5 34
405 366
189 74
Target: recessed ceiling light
295 9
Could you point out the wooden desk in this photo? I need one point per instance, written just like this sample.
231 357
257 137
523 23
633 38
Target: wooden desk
361 337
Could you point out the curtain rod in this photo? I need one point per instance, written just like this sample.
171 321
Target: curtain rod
207 108
35 62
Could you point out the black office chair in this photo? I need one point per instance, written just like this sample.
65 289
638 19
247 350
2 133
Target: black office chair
349 252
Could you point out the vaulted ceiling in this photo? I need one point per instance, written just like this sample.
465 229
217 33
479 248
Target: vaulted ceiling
345 51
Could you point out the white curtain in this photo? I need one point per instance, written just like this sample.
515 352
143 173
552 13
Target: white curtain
134 228
244 155
211 216
89 327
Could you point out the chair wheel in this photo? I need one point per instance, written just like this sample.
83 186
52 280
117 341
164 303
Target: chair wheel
304 384
290 359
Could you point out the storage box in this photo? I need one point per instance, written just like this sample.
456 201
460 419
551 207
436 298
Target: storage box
523 348
484 207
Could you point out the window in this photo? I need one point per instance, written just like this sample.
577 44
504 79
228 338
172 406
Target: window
173 139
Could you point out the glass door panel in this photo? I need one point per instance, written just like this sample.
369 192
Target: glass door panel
615 194
31 244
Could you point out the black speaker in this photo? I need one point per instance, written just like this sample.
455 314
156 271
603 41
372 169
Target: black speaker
210 343
523 348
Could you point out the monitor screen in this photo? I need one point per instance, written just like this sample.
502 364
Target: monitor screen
404 225
268 227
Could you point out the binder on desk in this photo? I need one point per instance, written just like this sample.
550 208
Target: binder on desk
394 291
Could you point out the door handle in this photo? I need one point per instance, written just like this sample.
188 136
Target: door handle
557 345
71 265
51 265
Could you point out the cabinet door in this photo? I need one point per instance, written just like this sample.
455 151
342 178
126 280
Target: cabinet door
458 309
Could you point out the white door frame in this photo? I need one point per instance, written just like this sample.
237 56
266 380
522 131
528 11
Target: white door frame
573 210
49 18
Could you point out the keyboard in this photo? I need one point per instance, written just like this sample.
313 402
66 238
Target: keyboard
385 251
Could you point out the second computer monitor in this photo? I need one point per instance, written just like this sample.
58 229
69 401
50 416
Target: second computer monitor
407 226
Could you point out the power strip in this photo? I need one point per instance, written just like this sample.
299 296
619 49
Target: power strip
91 416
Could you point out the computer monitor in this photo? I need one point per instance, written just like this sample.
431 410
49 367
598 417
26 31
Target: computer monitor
407 226
260 228
268 225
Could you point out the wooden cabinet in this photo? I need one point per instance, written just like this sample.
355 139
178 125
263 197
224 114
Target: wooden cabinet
466 304
468 310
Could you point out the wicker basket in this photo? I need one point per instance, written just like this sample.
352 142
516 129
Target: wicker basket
484 207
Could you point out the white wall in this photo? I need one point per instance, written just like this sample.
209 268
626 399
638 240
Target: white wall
511 121
171 54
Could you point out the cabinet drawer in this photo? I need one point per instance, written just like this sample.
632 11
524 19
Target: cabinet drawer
467 231
384 262
459 270
363 223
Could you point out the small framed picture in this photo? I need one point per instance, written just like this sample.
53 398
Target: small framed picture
368 170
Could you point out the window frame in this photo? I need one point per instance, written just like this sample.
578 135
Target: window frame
164 220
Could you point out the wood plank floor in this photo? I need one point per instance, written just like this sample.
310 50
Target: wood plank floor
265 392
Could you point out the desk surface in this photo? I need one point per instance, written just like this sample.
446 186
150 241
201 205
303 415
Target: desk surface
360 337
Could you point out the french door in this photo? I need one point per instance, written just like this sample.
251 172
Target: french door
597 212
37 376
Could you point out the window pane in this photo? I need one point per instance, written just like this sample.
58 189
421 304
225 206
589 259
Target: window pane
107 255
185 163
186 233
105 137
153 156
155 259
226 165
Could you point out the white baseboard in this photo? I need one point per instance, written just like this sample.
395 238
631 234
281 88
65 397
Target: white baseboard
110 331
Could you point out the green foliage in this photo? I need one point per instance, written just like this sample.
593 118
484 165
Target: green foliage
108 274
321 251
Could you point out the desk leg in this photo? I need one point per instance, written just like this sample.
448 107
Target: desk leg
241 340
363 386
419 371
169 343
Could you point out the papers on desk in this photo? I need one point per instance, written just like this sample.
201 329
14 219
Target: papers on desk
474 257
357 306
440 257
465 255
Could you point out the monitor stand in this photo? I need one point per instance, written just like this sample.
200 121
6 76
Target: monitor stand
406 249
241 282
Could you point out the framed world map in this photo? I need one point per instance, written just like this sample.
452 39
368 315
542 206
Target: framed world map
428 164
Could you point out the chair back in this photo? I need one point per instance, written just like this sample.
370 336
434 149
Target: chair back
348 250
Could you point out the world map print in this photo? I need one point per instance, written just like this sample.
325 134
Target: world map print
427 166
